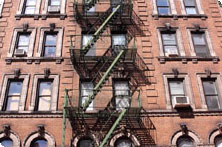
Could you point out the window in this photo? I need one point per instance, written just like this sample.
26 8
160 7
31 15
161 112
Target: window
44 93
13 96
6 142
123 142
176 87
169 42
185 141
86 90
200 44
211 94
39 142
22 44
54 2
29 7
218 141
43 102
163 6
50 45
190 6
118 40
85 39
85 142
122 94
54 6
1 6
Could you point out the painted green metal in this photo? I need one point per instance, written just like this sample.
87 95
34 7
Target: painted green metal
64 117
113 127
88 45
101 81
139 100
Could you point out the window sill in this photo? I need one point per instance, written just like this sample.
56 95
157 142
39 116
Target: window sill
201 16
185 59
30 60
43 16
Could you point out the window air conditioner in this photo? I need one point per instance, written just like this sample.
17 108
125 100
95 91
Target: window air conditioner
19 53
53 9
172 53
181 102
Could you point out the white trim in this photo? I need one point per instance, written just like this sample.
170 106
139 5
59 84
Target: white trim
62 7
14 137
22 4
172 7
1 6
198 7
213 135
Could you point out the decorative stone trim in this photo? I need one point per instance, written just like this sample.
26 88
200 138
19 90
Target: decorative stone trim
185 59
213 135
13 136
37 60
185 17
85 134
6 79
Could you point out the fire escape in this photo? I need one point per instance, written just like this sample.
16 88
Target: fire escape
116 61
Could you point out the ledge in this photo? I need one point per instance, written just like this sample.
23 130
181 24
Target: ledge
202 16
185 59
37 60
43 16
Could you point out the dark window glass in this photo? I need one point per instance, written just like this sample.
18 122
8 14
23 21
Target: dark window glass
169 43
30 7
200 45
6 142
218 141
23 41
44 95
50 45
163 6
85 142
13 96
39 143
190 6
123 142
211 94
185 141
54 2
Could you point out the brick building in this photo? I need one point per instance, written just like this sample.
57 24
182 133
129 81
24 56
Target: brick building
110 73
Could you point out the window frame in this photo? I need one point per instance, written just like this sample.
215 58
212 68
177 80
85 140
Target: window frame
14 41
21 8
59 43
199 9
1 6
182 80
92 50
18 40
45 45
81 96
55 91
25 6
62 7
169 9
176 42
5 84
172 8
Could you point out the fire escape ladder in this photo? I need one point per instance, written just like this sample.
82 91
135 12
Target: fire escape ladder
99 31
103 79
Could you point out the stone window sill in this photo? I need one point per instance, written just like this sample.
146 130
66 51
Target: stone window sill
36 60
185 59
38 16
202 16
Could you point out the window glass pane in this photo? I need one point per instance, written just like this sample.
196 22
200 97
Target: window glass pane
212 102
85 143
86 38
86 90
163 10
51 39
45 88
40 143
93 9
185 142
121 88
15 88
189 2
122 102
123 143
23 39
191 10
169 39
202 51
55 2
119 39
6 143
199 39
218 141
162 3
44 103
176 87
50 52
29 10
209 87
31 3
170 50
12 103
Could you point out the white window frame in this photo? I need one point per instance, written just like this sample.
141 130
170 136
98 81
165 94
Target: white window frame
91 106
14 39
6 79
198 8
54 92
172 7
218 83
62 7
208 41
1 6
187 87
58 45
22 4
178 39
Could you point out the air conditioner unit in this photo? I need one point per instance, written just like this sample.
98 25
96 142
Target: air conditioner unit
181 102
53 9
19 53
171 53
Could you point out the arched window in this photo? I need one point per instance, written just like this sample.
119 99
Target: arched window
6 142
85 142
123 142
185 141
218 141
39 142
